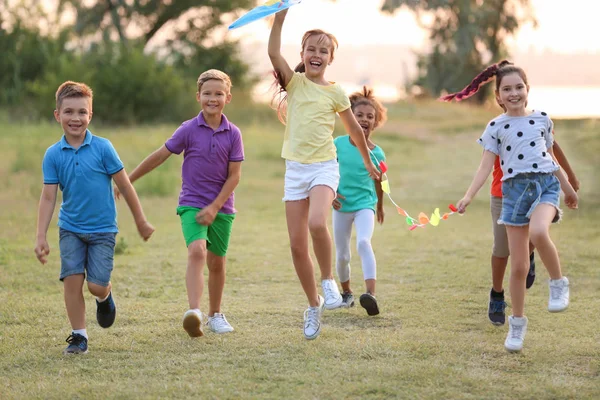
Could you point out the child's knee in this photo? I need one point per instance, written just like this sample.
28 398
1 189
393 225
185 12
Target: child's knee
363 245
99 290
317 226
197 250
538 235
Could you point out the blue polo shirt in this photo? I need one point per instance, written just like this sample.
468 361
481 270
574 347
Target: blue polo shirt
84 175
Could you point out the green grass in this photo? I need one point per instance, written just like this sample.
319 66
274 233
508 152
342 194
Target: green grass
432 339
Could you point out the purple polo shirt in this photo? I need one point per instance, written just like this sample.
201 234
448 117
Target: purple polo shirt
206 157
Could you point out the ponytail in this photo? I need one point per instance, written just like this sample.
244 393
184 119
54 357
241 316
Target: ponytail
484 77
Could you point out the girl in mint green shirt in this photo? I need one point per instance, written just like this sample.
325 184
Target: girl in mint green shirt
359 200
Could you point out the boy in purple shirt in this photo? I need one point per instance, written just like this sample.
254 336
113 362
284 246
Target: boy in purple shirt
212 156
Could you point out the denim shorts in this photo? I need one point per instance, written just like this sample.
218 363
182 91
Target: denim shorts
87 252
523 193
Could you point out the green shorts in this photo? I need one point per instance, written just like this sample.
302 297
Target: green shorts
216 235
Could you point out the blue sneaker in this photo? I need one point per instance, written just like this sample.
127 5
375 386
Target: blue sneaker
531 274
496 310
106 312
77 344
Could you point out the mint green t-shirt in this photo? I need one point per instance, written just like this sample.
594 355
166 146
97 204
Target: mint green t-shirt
355 184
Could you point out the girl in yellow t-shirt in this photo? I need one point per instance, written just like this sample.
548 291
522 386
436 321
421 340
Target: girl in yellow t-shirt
312 176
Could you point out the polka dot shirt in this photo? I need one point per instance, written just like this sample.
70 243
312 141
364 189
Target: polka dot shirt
521 142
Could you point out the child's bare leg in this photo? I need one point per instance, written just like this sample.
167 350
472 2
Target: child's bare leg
518 243
194 277
370 284
74 302
498 270
320 201
99 291
539 234
296 213
216 281
346 286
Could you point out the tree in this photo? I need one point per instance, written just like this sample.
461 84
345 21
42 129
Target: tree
188 29
465 36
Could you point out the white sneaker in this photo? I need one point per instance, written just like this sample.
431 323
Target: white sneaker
312 320
517 328
218 324
559 294
192 323
333 298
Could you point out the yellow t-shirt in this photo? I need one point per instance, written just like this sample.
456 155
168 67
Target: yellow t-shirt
310 119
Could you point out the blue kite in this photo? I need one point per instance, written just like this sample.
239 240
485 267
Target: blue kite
270 7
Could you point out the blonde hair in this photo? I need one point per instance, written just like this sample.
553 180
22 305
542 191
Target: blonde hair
214 74
366 97
70 89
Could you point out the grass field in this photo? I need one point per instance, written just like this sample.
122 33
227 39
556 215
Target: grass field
432 339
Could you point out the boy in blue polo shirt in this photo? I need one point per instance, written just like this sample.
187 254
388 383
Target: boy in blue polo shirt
82 165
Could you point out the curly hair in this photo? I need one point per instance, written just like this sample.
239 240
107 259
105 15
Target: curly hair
366 97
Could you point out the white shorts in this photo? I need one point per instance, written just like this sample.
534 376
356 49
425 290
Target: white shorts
301 178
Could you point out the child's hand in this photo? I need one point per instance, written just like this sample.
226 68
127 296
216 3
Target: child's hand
145 230
380 215
373 172
117 192
571 199
207 215
336 203
462 204
42 250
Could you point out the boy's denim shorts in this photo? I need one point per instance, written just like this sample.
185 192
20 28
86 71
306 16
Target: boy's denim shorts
87 252
523 193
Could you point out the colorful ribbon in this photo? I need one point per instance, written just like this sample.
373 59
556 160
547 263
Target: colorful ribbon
268 8
422 220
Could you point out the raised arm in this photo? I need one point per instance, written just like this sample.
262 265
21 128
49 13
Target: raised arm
279 64
358 137
45 211
484 170
126 188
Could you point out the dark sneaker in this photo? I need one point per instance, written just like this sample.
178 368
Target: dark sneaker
77 344
496 310
348 299
531 274
369 303
106 312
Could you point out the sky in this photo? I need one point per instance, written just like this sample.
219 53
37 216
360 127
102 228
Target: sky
563 26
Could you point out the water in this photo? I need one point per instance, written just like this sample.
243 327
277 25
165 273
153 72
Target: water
558 101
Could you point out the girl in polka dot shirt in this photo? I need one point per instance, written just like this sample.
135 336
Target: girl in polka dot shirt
531 185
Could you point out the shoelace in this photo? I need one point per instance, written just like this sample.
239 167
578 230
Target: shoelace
74 339
328 289
556 292
517 331
219 321
497 306
311 317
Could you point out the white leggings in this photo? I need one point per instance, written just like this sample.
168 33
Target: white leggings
364 220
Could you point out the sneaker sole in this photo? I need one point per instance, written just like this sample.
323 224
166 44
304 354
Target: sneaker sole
193 325
557 310
497 323
337 304
512 350
313 337
369 304
72 353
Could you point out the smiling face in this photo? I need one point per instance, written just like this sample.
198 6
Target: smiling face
74 115
317 54
366 116
512 94
213 96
